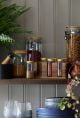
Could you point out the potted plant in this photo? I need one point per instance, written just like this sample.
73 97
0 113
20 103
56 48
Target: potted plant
73 102
9 25
8 22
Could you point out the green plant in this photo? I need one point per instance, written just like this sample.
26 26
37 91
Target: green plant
8 18
8 22
64 103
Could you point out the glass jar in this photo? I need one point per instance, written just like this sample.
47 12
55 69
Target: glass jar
43 67
54 67
30 70
34 48
72 35
19 65
59 67
49 67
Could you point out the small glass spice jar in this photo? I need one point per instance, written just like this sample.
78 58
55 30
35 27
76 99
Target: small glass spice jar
49 67
30 70
43 67
19 68
59 67
54 67
64 62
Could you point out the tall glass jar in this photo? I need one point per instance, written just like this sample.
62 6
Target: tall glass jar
72 35
19 64
34 48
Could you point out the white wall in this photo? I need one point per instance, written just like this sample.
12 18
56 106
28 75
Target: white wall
48 18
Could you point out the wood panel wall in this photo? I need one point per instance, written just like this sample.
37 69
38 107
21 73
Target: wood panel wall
48 18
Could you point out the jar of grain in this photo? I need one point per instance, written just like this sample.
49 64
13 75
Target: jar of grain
72 35
19 66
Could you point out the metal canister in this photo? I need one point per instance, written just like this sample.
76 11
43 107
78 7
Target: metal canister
30 71
59 67
54 67
49 67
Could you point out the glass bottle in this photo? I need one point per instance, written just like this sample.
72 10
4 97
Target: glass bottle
19 65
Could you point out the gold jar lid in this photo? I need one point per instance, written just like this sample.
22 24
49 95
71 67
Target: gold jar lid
29 62
44 59
20 52
64 59
59 59
50 59
54 59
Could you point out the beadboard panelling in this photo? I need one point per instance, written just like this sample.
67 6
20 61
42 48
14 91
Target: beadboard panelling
46 26
31 19
61 90
33 96
48 18
47 91
19 42
75 12
16 92
62 20
3 98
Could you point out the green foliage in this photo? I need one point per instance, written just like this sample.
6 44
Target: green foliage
64 102
8 18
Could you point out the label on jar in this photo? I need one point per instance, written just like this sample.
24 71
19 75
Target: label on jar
29 67
30 71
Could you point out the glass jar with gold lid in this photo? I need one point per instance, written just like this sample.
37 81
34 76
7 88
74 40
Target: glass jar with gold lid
19 64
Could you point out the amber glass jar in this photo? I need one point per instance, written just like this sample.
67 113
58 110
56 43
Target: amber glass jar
54 67
19 64
72 35
43 67
49 67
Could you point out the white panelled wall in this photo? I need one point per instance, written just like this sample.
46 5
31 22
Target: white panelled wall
48 18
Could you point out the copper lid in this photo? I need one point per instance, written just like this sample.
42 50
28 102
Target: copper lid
20 51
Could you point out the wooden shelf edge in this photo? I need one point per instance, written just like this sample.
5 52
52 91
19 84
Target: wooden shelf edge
46 80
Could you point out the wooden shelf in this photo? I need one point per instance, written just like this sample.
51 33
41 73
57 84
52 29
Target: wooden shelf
38 80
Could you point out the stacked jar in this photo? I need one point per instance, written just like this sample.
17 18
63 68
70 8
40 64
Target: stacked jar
34 51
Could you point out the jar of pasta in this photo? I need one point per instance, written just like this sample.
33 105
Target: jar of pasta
72 36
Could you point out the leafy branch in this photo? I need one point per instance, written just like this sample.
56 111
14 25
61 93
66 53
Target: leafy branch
8 18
